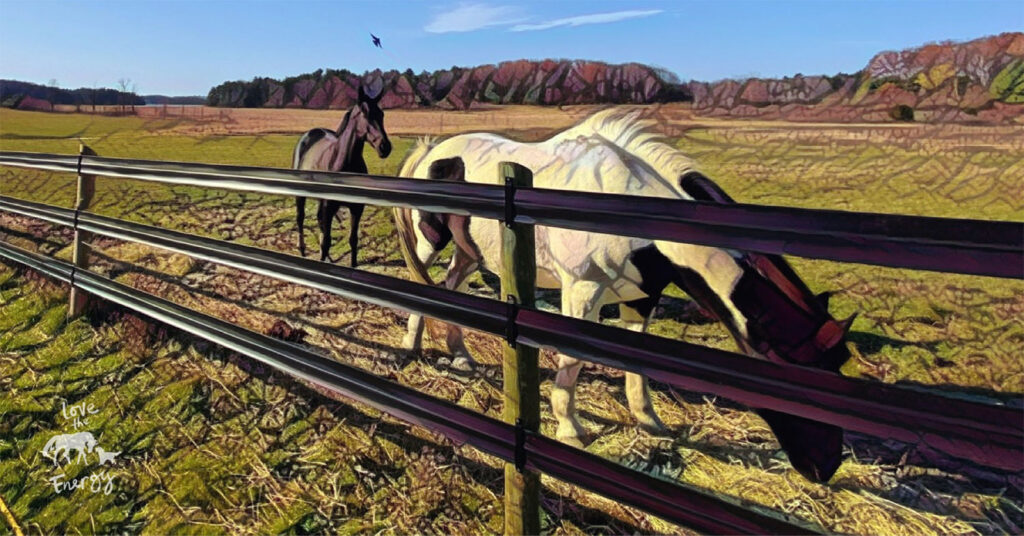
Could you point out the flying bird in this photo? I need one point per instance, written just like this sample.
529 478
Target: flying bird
376 41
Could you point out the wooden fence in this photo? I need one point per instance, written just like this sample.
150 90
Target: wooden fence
985 432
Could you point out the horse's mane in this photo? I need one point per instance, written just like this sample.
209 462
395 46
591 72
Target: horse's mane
628 129
621 126
344 122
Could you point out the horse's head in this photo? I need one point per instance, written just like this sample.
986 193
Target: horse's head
370 123
773 315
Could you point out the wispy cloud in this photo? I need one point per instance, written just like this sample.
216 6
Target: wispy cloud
580 20
469 17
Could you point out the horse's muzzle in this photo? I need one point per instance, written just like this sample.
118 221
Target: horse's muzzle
384 148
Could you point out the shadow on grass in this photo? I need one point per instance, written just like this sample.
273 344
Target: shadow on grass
118 268
872 343
482 473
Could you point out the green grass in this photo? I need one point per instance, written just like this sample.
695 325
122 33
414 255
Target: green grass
276 458
915 326
199 437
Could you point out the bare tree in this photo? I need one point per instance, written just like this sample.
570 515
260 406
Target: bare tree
126 93
91 95
51 92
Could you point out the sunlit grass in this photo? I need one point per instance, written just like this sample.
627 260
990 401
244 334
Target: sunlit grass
277 459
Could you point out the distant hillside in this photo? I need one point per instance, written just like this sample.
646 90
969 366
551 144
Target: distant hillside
979 79
29 96
513 82
164 99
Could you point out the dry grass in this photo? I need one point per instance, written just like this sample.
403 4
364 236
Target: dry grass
206 121
283 458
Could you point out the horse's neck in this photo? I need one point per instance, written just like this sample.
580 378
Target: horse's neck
350 151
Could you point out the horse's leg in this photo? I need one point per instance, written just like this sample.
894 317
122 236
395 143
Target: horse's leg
320 225
356 210
637 392
459 270
580 299
300 218
413 339
324 217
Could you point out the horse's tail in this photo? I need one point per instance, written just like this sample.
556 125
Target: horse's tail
415 155
407 242
49 444
403 216
299 149
305 142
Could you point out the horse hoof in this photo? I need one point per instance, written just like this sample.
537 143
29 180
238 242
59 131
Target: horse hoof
463 364
572 434
411 344
659 430
572 441
652 425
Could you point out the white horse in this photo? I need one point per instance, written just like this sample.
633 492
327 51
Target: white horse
81 443
768 310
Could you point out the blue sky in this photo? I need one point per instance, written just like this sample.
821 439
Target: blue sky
181 47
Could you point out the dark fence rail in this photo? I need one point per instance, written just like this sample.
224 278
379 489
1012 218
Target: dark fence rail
991 248
673 502
988 433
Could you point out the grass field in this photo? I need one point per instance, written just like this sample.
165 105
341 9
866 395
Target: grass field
214 444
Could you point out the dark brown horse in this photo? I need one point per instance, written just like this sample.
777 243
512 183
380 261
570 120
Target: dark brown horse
321 149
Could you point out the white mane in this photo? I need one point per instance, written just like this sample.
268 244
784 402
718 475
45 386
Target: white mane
626 128
621 126
613 151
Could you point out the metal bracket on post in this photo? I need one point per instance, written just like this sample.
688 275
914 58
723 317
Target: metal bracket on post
520 452
78 210
510 201
511 312
80 246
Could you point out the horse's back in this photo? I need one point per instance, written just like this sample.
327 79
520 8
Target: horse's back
583 163
310 144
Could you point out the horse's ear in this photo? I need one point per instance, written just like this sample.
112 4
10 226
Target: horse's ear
846 324
701 188
823 299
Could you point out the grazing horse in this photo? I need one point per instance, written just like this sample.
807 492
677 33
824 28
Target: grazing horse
81 443
765 306
323 150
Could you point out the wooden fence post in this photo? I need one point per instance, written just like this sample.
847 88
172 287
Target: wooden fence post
80 247
519 363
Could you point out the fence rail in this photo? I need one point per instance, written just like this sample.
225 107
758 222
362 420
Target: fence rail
952 425
976 247
673 502
986 432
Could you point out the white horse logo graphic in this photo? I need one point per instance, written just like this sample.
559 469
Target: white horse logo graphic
82 443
